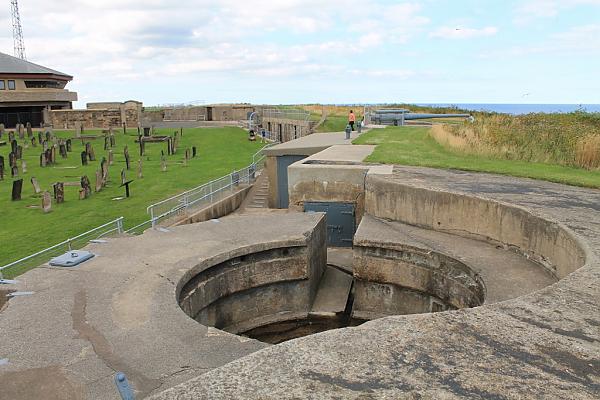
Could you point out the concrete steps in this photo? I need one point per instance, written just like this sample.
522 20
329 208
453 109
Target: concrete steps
332 294
259 195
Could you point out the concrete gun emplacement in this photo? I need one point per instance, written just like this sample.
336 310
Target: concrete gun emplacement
398 116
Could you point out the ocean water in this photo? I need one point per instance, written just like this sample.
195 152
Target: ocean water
517 109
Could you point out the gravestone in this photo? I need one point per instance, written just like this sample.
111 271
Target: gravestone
53 154
187 154
104 168
43 160
139 170
63 150
46 202
123 177
48 154
36 185
69 145
112 140
84 158
14 171
126 154
16 189
1 168
45 145
21 131
106 142
169 146
19 152
59 192
40 138
163 163
90 151
98 180
33 142
12 159
111 159
142 145
86 187
23 167
2 129
29 131
11 136
194 151
48 135
13 146
78 129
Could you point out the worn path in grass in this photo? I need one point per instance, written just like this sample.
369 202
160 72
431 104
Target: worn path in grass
25 229
414 146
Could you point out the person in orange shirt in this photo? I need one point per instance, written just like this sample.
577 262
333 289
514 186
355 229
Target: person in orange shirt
351 119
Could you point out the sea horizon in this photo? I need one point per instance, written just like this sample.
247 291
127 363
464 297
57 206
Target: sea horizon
518 108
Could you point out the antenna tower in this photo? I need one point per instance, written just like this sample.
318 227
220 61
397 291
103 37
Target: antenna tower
17 30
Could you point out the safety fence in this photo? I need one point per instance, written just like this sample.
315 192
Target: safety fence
111 228
168 209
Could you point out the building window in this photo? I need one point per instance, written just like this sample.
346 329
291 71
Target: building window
11 85
2 85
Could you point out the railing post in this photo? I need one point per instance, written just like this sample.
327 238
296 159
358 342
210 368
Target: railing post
69 244
152 217
120 225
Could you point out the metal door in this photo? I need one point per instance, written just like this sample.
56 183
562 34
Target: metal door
283 162
340 221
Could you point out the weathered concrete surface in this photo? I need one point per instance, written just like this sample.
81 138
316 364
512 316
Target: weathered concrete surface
220 208
119 311
542 345
309 145
332 295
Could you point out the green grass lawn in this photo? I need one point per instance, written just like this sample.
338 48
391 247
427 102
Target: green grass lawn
337 123
414 146
25 229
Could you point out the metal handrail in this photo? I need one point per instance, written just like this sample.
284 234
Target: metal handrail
69 242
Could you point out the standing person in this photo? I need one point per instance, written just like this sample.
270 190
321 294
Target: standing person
263 133
351 119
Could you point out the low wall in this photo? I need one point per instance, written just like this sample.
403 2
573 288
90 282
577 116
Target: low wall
218 209
546 242
285 130
94 118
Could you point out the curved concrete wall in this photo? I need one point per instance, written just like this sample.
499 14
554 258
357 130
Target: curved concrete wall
547 242
257 287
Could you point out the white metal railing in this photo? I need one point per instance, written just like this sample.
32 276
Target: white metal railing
286 113
203 195
112 227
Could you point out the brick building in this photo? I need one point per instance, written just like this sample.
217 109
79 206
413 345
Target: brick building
28 92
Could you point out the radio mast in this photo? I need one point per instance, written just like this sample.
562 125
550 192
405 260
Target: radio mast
17 31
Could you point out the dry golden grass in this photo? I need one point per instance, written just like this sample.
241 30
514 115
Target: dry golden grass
587 152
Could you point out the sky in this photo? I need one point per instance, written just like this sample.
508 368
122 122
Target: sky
317 51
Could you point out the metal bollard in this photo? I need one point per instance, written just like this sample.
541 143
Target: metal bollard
348 131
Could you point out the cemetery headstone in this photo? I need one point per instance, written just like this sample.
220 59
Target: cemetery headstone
36 185
169 146
16 189
48 135
12 159
23 166
63 150
163 164
187 154
126 154
106 142
90 151
33 142
78 129
123 177
59 192
111 159
42 159
46 202
194 151
1 168
48 154
85 185
19 152
11 136
13 146
29 131
40 138
139 171
14 171
69 145
53 155
2 128
45 145
98 180
21 131
84 158
112 140
104 168
142 145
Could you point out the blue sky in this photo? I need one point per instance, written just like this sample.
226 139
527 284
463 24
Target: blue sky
292 51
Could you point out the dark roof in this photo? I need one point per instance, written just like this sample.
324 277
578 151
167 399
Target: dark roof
14 65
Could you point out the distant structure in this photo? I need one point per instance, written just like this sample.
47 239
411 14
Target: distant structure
19 43
28 92
398 116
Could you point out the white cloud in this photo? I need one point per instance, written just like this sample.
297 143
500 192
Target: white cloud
463 33
531 9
